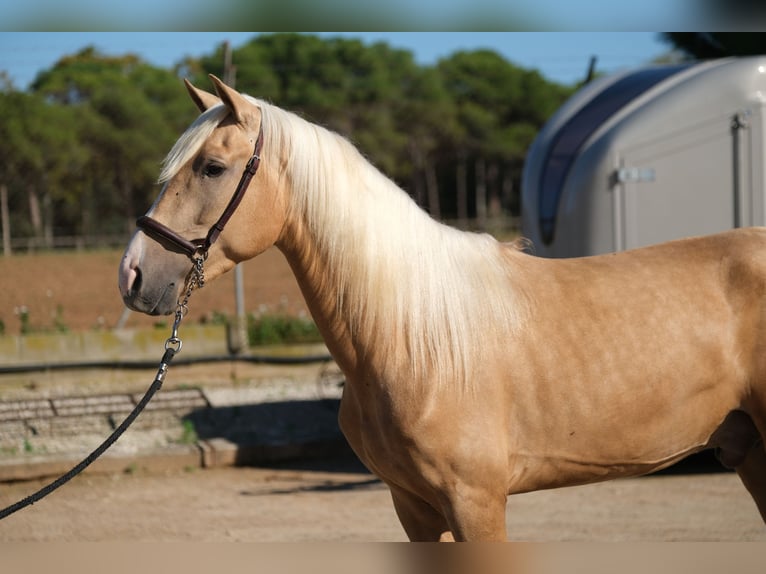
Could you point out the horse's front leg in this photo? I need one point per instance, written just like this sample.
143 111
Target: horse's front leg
421 521
476 514
464 514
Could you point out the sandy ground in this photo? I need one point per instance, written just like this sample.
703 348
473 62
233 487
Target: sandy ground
337 500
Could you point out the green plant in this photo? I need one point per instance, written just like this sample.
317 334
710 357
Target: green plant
219 318
9 450
279 329
189 433
58 320
23 313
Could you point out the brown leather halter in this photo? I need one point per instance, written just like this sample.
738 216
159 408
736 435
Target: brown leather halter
196 248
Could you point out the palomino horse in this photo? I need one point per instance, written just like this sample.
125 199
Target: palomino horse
473 369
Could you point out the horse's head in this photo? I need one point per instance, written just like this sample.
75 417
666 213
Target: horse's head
201 174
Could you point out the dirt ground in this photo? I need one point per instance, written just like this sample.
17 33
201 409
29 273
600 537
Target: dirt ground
79 291
337 500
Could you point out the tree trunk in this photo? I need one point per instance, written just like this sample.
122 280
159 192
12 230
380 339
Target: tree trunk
419 194
507 193
47 220
481 193
6 221
35 213
422 165
461 191
495 206
432 188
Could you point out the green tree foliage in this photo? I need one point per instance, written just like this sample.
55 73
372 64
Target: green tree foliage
82 148
500 108
43 160
133 113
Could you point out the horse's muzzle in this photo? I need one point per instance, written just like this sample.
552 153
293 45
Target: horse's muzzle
163 304
138 295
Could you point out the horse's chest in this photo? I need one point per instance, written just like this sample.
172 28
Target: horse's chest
378 435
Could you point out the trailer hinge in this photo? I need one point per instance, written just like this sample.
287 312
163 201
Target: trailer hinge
634 174
740 121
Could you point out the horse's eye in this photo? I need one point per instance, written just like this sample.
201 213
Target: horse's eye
213 170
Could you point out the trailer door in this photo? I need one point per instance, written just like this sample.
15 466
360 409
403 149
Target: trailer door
683 184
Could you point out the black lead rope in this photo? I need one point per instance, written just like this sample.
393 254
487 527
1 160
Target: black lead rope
172 347
87 461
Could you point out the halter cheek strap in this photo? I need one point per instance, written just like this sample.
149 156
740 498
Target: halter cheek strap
199 247
162 233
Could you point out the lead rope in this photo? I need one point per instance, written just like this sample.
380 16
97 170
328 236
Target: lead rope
173 345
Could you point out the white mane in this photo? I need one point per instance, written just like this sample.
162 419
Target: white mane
396 271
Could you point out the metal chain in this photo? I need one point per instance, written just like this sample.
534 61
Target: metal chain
195 280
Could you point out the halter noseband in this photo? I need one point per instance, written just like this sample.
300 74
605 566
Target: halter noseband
199 247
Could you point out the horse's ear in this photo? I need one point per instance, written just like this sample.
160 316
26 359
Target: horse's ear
203 100
239 106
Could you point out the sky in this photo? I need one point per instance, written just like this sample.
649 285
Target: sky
560 56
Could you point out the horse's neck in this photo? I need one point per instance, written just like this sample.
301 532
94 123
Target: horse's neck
348 267
388 287
312 272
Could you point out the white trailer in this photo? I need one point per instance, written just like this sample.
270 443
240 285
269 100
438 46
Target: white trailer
649 155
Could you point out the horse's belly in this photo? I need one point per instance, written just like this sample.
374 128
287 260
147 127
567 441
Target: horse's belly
559 469
592 430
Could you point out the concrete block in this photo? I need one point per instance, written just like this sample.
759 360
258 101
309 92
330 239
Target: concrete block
218 452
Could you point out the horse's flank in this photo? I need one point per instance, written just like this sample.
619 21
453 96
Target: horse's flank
638 357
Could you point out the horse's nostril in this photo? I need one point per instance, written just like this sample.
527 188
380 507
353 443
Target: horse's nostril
129 279
136 286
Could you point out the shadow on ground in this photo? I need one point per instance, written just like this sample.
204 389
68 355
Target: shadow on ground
299 433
